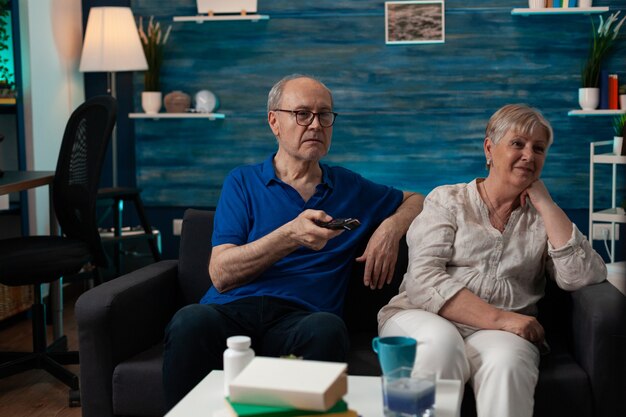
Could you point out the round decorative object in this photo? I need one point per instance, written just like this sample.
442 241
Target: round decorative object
177 102
206 101
151 101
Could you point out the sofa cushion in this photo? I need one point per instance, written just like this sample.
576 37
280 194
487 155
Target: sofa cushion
138 385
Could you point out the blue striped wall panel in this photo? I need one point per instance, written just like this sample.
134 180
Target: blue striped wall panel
412 116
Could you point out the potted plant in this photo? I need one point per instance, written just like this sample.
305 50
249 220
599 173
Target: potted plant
6 70
602 42
153 41
618 130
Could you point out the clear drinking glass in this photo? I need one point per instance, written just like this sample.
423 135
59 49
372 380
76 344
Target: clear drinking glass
406 395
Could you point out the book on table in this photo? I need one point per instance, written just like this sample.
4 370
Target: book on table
301 384
340 409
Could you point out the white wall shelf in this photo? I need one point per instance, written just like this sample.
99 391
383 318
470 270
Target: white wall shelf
614 214
209 116
218 18
558 11
585 113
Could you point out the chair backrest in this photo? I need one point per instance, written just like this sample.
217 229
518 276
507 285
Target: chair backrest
75 187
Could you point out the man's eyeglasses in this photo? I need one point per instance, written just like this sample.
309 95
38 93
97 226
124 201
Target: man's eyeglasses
305 117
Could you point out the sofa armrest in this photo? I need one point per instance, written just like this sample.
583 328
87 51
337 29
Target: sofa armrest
599 337
117 320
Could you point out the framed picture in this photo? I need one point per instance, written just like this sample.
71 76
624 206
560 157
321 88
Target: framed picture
417 21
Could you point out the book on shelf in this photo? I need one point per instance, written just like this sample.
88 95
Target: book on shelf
613 94
549 3
8 100
253 410
303 384
604 89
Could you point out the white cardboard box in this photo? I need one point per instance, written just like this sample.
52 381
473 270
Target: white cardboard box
226 6
303 384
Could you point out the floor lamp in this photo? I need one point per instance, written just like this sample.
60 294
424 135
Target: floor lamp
112 45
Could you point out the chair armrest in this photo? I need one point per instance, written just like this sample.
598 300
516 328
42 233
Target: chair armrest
599 337
117 320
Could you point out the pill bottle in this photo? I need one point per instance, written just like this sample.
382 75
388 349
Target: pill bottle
236 357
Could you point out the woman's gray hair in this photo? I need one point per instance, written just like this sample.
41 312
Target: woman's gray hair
520 118
276 93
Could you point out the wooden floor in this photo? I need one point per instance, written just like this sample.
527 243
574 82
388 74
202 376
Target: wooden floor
35 393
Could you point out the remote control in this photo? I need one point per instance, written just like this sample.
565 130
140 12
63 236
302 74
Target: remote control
337 224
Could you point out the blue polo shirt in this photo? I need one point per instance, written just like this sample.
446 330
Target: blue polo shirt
254 202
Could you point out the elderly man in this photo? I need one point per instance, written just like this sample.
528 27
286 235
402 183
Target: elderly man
279 274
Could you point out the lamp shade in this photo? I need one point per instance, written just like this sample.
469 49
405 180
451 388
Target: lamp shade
112 42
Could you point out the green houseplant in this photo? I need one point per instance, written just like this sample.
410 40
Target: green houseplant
618 130
153 41
601 45
6 70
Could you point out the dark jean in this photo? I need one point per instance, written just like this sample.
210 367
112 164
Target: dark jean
195 338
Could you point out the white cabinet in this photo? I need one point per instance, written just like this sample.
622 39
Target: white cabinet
602 153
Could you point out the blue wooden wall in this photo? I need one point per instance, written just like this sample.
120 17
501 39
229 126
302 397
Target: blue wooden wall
412 116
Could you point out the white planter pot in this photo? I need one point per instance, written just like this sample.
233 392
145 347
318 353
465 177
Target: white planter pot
588 98
151 101
618 145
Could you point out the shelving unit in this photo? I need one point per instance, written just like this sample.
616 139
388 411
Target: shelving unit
218 18
613 215
558 11
209 116
585 113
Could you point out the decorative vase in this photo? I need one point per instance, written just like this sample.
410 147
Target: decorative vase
151 101
585 4
177 102
588 98
618 145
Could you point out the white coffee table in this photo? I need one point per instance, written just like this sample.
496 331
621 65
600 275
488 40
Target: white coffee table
364 396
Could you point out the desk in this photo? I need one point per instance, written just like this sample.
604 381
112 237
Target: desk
16 181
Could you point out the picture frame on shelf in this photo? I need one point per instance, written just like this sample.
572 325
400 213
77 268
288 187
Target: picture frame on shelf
414 22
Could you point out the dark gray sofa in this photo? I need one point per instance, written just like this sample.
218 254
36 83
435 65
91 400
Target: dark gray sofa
121 324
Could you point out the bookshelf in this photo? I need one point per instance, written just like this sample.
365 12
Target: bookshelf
585 113
156 116
613 215
220 18
558 11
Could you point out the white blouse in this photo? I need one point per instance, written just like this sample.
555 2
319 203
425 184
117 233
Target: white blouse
452 245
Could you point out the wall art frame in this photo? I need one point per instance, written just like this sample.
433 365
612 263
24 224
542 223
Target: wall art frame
414 22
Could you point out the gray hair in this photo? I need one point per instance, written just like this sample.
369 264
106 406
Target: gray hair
276 93
519 118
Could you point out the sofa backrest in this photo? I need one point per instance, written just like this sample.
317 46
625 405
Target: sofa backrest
194 254
362 304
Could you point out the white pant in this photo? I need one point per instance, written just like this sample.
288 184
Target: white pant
501 366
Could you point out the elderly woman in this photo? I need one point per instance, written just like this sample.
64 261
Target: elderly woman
478 257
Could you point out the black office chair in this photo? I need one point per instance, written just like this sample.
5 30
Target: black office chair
35 260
